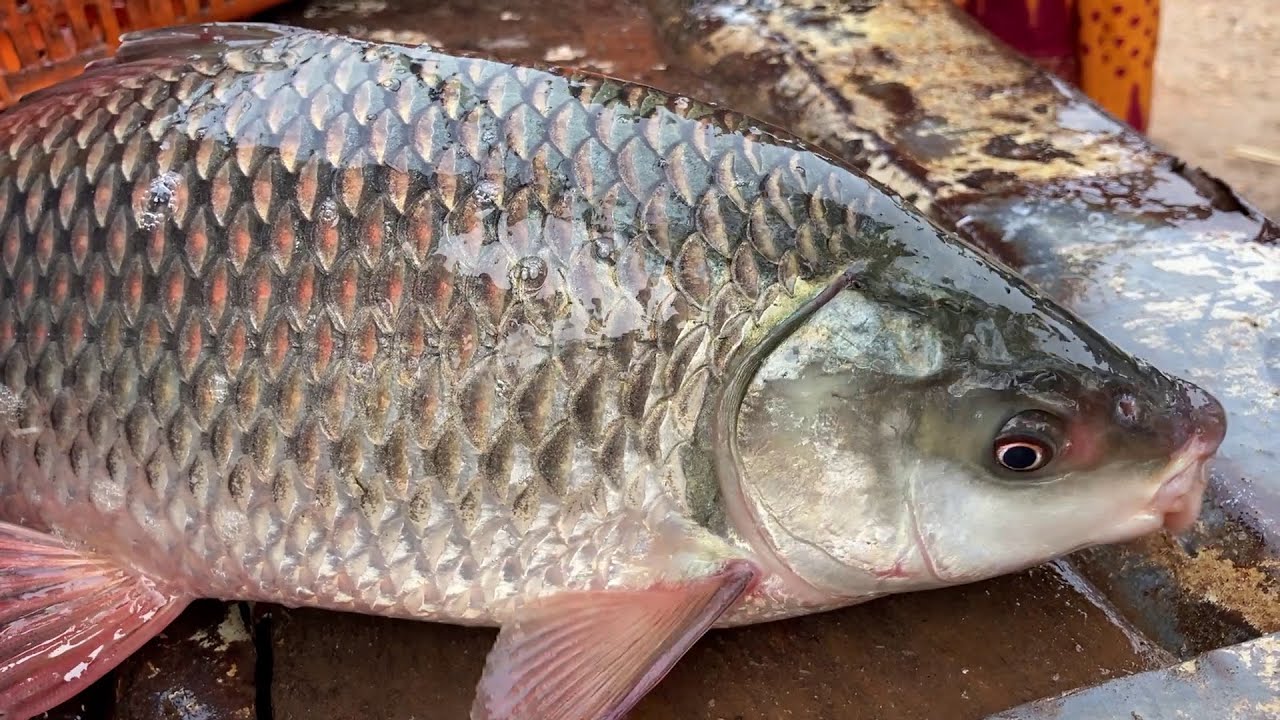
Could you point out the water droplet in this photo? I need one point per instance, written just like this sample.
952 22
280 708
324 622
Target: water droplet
158 201
487 191
529 273
11 405
604 248
329 212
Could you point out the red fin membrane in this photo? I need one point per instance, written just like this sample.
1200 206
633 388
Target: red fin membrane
593 655
66 618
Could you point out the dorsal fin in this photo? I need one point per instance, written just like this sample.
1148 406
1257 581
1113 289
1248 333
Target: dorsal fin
145 51
188 42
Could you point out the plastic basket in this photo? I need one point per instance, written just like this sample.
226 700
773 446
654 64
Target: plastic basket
45 41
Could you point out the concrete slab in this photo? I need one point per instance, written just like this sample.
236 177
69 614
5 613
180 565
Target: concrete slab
1241 682
201 668
957 654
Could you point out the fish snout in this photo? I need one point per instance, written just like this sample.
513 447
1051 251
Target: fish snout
1198 428
1200 422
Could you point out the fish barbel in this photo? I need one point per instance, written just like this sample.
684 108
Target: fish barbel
295 318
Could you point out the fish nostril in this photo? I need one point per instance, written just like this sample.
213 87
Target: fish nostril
1210 421
1128 410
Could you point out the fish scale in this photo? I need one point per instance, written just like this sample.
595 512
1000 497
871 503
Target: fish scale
316 314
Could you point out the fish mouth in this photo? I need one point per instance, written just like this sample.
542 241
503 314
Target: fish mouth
1180 493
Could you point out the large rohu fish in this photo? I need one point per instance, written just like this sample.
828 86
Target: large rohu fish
293 318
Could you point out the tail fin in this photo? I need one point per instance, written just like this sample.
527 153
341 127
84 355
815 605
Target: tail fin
66 619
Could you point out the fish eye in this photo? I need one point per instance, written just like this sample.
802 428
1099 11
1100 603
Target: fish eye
1027 442
1023 454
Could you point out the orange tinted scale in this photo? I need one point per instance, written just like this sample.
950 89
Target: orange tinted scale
96 287
372 233
73 332
282 240
152 336
327 244
395 288
261 290
7 331
12 245
220 192
174 291
155 245
416 346
190 345
60 286
117 241
240 239
133 291
308 189
38 336
44 243
80 241
324 348
237 340
278 346
348 288
367 344
198 244
26 288
304 290
218 293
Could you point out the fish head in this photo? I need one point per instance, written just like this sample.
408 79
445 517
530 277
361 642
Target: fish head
910 433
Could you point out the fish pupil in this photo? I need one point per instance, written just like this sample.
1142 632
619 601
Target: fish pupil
1020 457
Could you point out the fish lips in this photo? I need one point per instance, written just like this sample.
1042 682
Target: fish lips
1179 497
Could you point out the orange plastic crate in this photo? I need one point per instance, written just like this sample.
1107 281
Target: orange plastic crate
45 41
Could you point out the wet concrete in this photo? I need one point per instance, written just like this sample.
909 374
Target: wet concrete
956 654
614 38
201 668
96 703
917 96
1235 683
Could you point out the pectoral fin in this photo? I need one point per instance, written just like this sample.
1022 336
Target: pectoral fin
593 655
66 618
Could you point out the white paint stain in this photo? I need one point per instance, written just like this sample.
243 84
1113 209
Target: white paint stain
76 672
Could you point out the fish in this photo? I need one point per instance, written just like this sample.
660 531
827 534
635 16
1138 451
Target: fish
291 317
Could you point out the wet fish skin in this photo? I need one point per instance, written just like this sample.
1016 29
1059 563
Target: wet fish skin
256 330
295 318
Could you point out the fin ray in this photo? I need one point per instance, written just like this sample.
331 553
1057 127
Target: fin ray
595 654
67 618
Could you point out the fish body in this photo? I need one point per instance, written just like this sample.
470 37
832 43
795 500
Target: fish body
295 318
